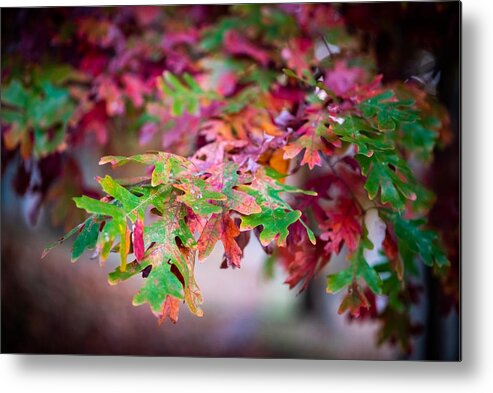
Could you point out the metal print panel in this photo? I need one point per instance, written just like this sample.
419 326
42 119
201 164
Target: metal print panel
274 180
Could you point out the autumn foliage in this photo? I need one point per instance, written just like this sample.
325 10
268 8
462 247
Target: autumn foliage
273 124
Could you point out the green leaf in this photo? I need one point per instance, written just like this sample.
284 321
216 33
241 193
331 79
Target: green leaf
86 239
131 204
168 241
290 73
106 239
185 96
42 110
389 174
275 223
420 137
133 268
414 241
214 36
170 227
14 94
198 196
227 180
160 283
58 74
167 166
363 270
356 130
262 77
359 268
392 286
94 206
127 205
389 112
338 281
221 226
154 196
276 215
370 276
163 235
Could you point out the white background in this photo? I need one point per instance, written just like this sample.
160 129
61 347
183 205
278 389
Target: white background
474 373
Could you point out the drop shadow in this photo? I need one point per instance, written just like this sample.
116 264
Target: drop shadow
394 371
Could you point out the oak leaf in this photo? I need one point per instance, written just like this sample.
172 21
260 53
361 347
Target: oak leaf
276 215
343 226
315 138
221 226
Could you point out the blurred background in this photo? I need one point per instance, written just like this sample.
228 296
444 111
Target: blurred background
53 306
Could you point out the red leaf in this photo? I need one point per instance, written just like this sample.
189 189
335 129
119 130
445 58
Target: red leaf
355 301
134 89
314 17
343 226
304 263
342 79
94 62
221 227
390 249
171 310
367 313
109 92
365 91
311 144
174 38
301 259
389 246
146 15
138 239
237 45
95 121
232 252
147 132
298 54
309 139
